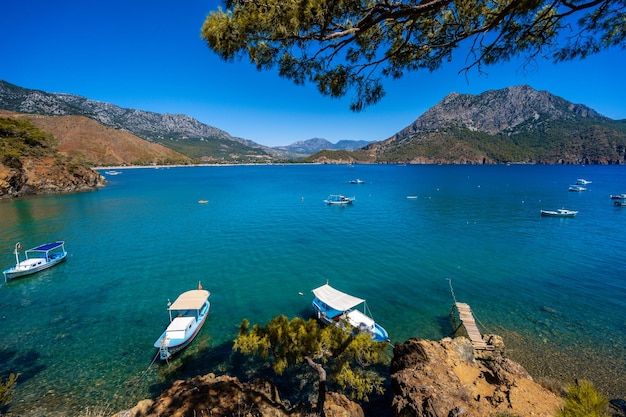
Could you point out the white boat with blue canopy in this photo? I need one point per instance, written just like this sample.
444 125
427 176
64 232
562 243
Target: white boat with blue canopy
187 316
37 259
334 307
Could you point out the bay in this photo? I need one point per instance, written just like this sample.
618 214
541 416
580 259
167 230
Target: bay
81 333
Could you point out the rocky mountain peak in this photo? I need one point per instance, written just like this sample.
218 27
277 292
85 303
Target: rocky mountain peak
496 111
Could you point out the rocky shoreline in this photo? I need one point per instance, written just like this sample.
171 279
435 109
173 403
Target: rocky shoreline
427 378
39 176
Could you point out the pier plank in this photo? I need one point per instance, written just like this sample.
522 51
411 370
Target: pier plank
467 318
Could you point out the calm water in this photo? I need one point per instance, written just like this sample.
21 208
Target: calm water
81 334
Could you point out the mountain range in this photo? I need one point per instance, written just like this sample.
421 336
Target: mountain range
178 132
513 125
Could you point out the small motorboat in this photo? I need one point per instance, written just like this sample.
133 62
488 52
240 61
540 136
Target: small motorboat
187 316
357 181
559 213
582 181
37 259
618 197
339 199
577 188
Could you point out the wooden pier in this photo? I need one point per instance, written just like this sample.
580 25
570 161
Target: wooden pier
467 320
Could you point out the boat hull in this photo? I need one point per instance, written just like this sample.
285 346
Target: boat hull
340 320
558 213
24 269
169 347
339 200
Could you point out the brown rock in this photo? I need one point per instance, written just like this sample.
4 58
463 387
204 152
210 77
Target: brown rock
227 396
446 379
47 176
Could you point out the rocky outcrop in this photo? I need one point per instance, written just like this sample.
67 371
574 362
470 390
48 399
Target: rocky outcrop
211 395
428 379
447 378
47 176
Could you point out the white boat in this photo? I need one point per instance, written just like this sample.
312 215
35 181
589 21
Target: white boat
113 172
37 259
618 197
577 187
582 181
559 213
339 199
187 316
357 181
334 307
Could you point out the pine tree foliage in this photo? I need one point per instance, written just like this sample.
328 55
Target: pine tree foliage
582 400
350 46
288 342
6 389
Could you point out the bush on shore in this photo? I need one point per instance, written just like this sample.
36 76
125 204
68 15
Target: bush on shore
583 400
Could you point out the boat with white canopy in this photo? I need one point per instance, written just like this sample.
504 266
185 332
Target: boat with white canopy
37 259
187 316
334 307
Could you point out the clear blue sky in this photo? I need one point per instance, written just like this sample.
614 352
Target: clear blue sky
148 55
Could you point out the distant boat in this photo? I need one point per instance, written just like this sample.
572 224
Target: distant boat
577 187
619 204
618 197
113 172
339 199
357 181
582 181
559 213
190 311
37 259
203 201
333 307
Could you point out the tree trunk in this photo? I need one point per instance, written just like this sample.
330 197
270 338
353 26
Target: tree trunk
321 394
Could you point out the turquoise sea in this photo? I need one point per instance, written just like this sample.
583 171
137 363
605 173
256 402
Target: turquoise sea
81 333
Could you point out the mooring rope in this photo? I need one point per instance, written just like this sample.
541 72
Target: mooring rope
451 290
479 322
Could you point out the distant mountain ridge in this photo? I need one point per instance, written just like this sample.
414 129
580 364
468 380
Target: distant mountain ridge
311 146
179 132
513 125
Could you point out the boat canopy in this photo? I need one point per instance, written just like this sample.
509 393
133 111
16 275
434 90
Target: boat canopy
47 247
190 300
335 298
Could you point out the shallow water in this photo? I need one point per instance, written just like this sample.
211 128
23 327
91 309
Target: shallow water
81 333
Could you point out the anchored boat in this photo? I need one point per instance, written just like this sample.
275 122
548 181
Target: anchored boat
37 259
339 199
337 308
187 316
558 213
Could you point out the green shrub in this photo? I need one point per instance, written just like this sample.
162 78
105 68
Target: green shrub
582 400
6 389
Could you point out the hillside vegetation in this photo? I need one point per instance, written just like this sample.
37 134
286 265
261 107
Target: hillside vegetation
31 164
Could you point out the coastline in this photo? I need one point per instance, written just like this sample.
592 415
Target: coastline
394 251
